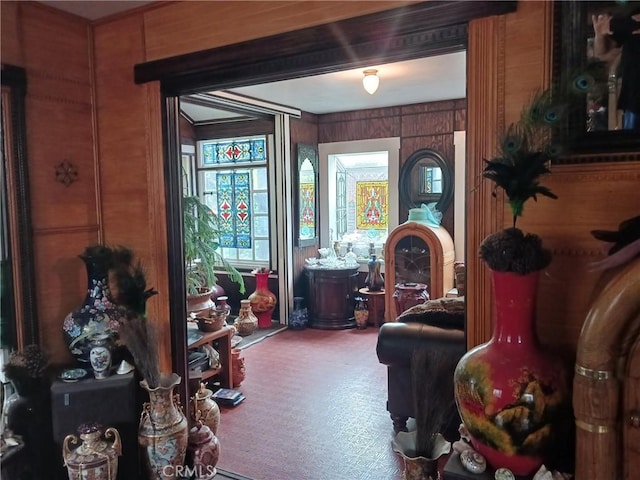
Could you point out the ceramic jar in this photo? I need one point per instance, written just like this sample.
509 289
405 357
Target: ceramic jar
247 322
223 306
100 355
95 458
238 372
163 429
203 452
209 412
361 312
263 300
407 295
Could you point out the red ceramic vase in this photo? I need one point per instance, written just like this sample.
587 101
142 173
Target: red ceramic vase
263 301
511 394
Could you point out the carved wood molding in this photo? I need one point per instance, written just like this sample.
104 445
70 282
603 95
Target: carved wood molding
485 116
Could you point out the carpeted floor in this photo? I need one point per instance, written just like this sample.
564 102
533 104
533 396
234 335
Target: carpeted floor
314 410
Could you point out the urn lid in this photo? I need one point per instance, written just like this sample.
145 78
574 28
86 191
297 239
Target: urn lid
200 434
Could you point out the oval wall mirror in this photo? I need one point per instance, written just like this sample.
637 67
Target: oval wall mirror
426 178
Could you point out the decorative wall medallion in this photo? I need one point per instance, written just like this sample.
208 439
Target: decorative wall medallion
66 173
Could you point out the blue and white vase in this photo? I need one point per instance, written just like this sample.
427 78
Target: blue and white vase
299 318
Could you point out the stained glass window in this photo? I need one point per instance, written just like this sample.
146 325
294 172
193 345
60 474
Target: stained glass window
371 205
232 179
234 151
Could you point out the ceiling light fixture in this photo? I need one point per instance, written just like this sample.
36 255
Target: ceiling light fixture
371 80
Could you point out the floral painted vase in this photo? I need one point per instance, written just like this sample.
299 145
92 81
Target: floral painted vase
97 314
163 430
205 409
361 312
95 458
263 301
100 355
511 395
203 452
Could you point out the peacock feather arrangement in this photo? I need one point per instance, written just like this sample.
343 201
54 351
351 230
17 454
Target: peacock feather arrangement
524 155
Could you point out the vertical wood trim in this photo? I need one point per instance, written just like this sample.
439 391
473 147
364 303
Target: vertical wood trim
485 117
91 54
158 310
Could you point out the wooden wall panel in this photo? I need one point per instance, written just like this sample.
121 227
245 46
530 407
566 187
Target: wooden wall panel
11 50
64 286
592 196
177 28
59 117
130 158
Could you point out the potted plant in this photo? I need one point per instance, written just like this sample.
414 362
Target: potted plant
512 395
202 253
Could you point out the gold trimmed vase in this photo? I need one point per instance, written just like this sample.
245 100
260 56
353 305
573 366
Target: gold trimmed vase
163 431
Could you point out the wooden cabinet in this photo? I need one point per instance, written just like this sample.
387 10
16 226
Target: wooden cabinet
418 253
331 297
221 341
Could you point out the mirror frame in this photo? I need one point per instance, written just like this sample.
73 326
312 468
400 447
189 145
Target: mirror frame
571 30
407 171
304 152
14 90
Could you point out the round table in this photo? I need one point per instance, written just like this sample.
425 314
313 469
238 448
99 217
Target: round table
375 301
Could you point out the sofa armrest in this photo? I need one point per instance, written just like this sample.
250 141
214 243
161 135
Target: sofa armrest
397 341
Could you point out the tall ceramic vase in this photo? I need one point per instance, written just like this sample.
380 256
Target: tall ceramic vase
513 396
163 431
263 301
97 314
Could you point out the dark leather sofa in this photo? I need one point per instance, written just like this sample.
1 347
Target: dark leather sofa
437 325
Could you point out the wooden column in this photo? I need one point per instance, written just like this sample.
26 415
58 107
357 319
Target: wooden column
485 117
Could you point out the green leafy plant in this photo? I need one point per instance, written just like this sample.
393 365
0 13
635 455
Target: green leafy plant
201 248
524 155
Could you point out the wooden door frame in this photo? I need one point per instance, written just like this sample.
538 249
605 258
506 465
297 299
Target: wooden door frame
419 30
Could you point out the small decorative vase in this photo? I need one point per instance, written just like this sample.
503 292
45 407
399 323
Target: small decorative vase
203 452
406 295
299 318
511 395
263 301
98 314
418 467
222 305
209 411
163 429
247 322
100 355
374 280
95 458
238 372
361 312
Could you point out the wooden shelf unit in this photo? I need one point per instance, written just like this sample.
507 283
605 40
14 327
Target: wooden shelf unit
223 336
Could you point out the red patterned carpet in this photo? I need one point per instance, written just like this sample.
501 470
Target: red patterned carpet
314 410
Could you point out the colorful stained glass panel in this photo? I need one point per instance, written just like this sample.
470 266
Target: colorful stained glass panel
372 205
234 209
234 151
